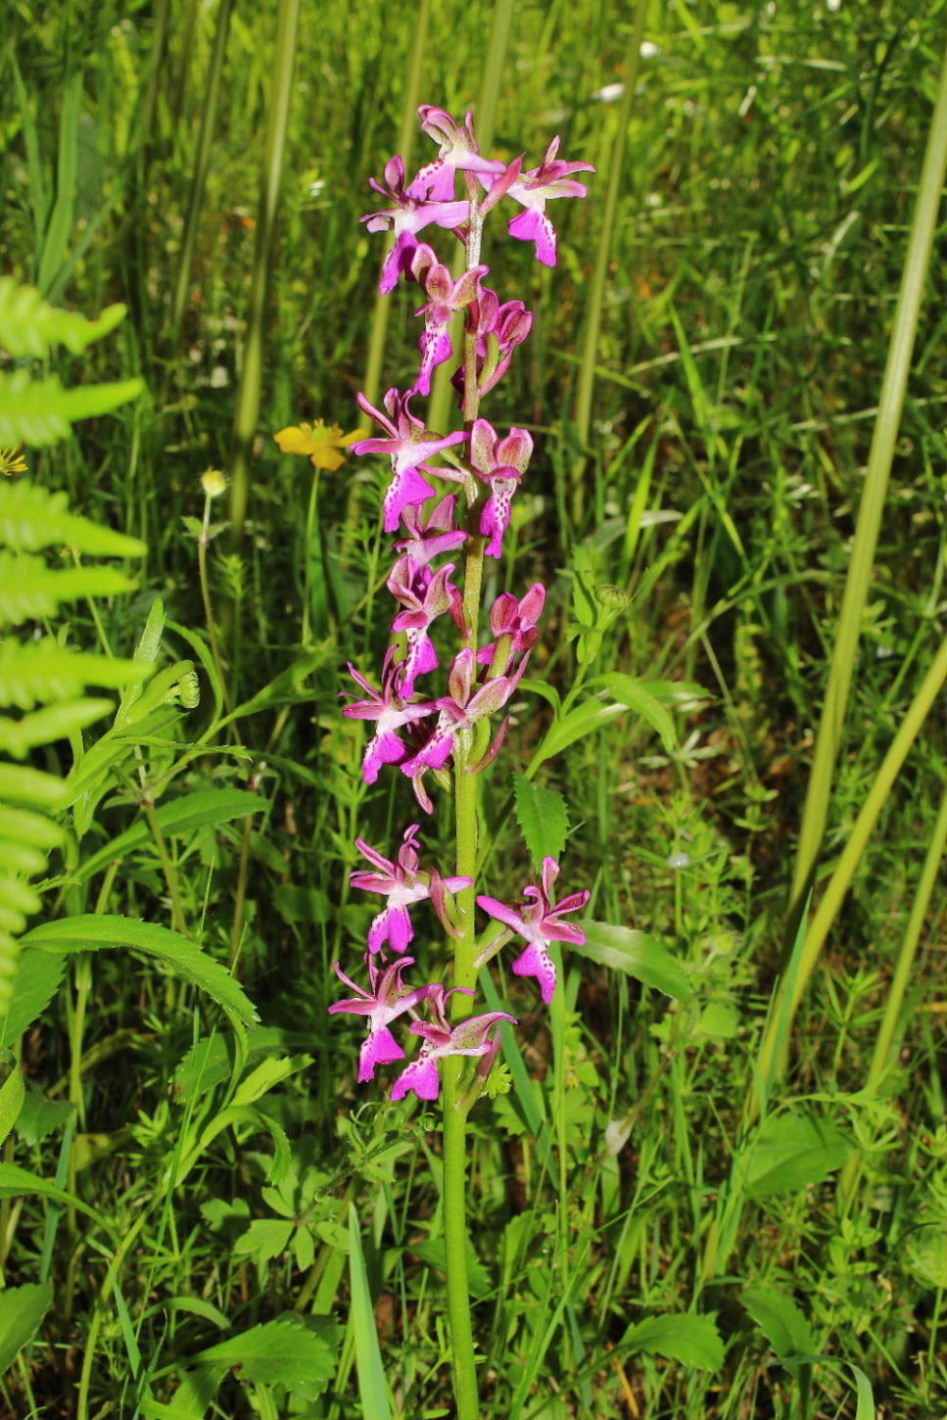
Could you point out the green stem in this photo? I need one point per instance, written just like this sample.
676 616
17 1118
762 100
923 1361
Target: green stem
251 375
890 405
310 558
774 1046
203 543
617 184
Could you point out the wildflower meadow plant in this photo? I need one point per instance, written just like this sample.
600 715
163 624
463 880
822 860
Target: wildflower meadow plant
436 713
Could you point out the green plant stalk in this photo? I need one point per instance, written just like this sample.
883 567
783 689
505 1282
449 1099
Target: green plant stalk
456 1239
890 406
203 543
201 163
884 1041
772 1055
310 560
251 374
596 299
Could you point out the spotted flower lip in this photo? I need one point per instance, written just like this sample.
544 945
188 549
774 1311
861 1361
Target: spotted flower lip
539 923
387 999
469 1037
410 446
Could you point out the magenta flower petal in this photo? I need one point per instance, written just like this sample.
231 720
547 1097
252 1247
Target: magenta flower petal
421 1076
536 961
378 1048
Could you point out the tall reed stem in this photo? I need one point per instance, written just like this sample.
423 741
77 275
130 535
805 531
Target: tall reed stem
890 406
251 374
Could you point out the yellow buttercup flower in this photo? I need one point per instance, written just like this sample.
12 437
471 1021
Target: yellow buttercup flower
12 462
323 443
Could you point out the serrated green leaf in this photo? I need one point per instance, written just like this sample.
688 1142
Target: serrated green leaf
692 1340
543 817
206 1065
21 1311
265 1239
40 1116
637 954
781 1321
42 412
788 1152
36 981
94 932
29 326
288 1352
32 517
31 591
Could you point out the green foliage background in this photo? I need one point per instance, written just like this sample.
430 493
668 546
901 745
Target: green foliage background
179 1179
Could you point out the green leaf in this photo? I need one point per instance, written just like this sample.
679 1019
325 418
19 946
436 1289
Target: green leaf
289 1351
790 1151
265 1239
42 413
12 1095
639 696
32 517
21 1311
372 1390
15 1182
693 1340
180 816
37 979
33 787
40 1116
781 1321
206 1065
29 326
96 931
637 954
44 671
543 818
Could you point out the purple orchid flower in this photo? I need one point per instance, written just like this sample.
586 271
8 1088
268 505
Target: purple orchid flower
498 330
459 152
513 623
403 886
410 212
425 596
539 923
392 709
459 711
469 1037
429 537
552 179
445 296
500 463
386 1000
410 446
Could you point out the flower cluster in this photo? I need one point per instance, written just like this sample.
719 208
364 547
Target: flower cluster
420 730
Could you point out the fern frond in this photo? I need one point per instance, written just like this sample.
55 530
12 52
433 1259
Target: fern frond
32 517
42 412
28 827
29 325
43 671
30 591
45 727
20 785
